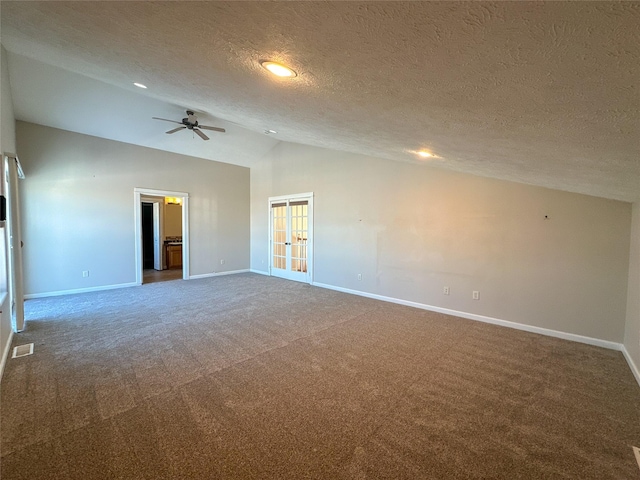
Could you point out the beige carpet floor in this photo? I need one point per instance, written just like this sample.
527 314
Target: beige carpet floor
252 377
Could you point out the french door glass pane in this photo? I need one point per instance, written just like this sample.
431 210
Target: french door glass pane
299 221
279 213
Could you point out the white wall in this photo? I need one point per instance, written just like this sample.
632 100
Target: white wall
7 144
411 229
78 201
632 331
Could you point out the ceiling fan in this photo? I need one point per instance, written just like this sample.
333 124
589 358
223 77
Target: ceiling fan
191 122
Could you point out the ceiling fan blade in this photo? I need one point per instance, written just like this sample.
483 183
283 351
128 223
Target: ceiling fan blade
176 129
216 129
200 134
165 119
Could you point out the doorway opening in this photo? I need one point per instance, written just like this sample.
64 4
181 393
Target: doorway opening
151 235
161 235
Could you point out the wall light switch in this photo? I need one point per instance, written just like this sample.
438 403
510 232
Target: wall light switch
476 295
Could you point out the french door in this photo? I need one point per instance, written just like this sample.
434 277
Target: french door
290 238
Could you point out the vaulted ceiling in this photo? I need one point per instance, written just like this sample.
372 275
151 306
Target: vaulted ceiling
544 93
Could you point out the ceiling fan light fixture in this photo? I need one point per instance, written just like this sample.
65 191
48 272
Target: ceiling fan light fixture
278 69
139 85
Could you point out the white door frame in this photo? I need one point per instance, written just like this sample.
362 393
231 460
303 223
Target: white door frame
296 196
13 172
137 217
157 233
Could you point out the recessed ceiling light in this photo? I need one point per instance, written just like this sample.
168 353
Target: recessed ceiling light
425 154
269 132
139 85
278 69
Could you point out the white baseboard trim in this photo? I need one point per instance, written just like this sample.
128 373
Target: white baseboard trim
5 354
481 318
635 369
260 272
217 274
79 290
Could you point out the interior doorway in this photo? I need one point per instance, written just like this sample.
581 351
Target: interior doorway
152 235
161 235
291 237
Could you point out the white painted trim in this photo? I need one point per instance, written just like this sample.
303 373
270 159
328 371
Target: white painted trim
289 197
159 193
5 355
79 290
18 164
186 240
260 272
217 274
481 318
636 452
15 264
634 368
137 229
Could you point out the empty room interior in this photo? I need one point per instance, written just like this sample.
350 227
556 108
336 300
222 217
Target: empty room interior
320 240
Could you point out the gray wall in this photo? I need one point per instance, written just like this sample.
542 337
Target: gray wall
8 125
411 229
7 144
632 332
78 207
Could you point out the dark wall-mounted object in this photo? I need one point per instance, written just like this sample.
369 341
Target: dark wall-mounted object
3 208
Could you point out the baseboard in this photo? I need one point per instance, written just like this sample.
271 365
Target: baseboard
79 290
5 354
259 272
481 318
634 368
217 274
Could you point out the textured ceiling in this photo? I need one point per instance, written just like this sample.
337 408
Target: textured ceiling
540 93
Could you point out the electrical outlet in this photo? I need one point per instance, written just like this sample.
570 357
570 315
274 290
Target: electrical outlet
221 262
85 273
359 276
476 295
446 290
